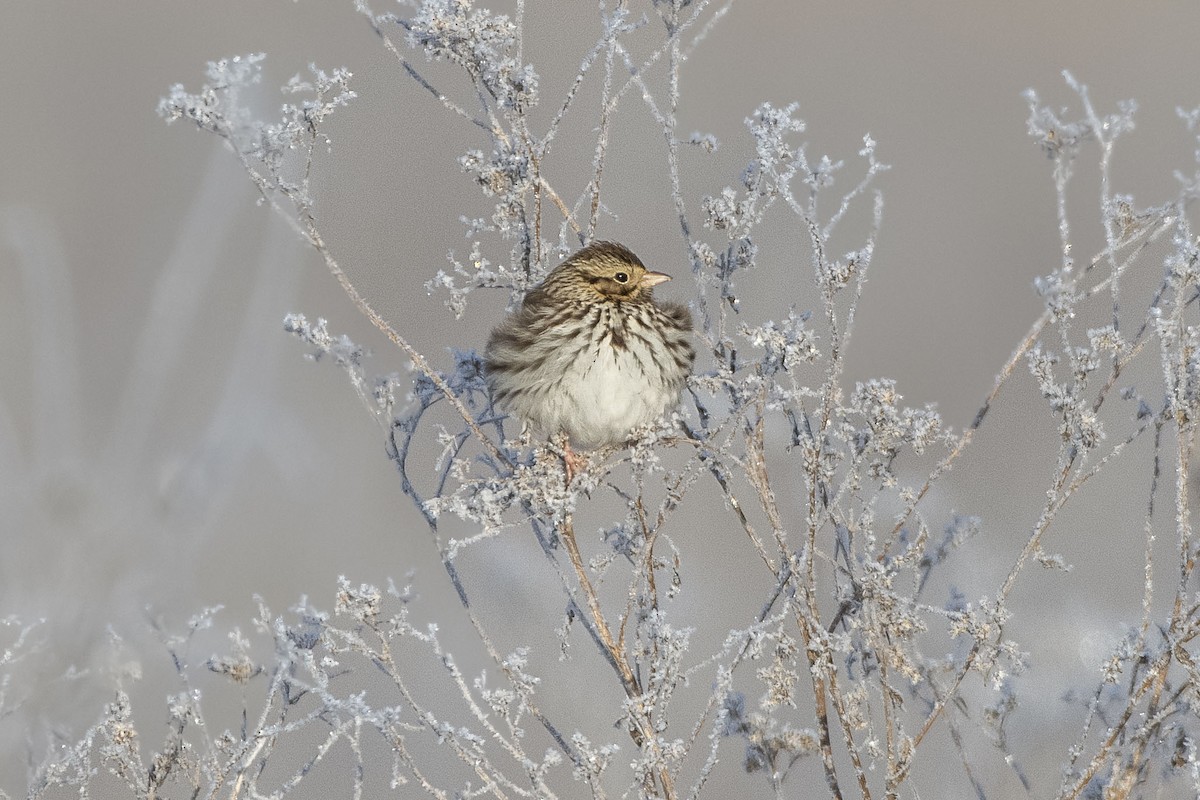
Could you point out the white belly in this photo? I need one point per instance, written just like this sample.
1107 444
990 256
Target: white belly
601 402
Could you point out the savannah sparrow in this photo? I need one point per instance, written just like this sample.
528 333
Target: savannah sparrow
590 354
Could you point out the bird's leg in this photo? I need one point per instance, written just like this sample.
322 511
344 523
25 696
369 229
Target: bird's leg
572 461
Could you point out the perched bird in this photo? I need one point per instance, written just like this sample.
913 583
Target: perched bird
589 353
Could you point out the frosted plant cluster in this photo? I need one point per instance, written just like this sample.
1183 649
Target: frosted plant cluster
852 677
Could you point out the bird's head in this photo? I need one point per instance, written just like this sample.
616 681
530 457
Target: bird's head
604 271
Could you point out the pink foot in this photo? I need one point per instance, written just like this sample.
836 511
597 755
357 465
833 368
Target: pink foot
574 462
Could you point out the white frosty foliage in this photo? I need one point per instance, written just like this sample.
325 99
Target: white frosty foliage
845 667
276 154
481 43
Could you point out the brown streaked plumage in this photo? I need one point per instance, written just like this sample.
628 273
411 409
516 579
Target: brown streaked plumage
590 353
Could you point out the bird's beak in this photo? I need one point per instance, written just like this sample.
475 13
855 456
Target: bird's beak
652 279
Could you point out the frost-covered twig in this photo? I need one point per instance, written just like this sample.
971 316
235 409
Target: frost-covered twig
840 673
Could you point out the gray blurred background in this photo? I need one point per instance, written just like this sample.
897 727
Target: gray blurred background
164 446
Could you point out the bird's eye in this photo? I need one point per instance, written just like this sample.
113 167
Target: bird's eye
621 277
